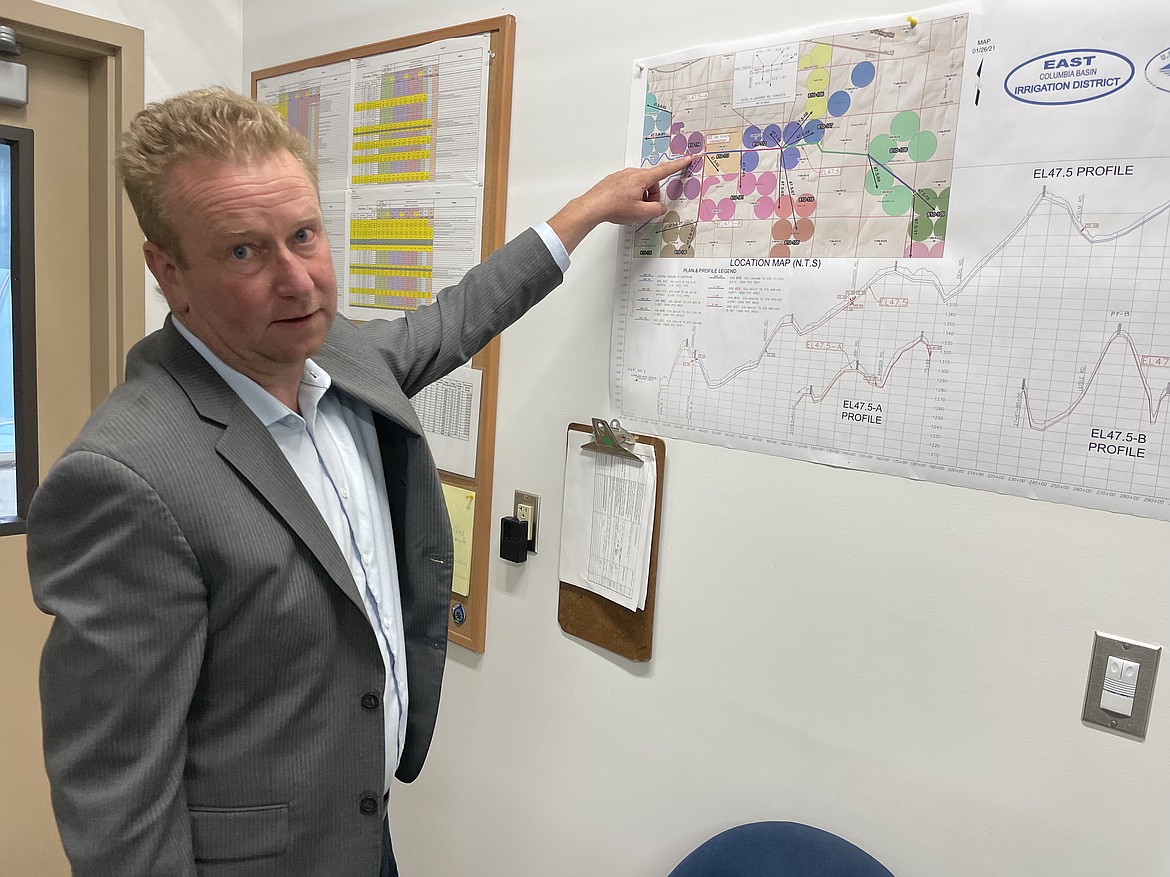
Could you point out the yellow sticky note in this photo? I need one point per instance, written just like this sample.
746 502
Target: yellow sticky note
461 508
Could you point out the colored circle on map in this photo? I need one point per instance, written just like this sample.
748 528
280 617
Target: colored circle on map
839 102
695 142
763 208
782 230
746 184
882 147
771 137
897 201
804 230
921 227
696 165
730 178
940 227
785 206
818 80
862 74
806 205
678 144
779 251
790 158
674 189
878 180
813 132
691 188
751 137
922 146
816 106
749 161
804 62
822 54
706 210
708 184
648 126
672 252
766 184
726 209
793 131
925 201
905 125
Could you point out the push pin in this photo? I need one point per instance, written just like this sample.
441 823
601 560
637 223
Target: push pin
912 20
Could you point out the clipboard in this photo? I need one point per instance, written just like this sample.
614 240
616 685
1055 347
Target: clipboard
593 618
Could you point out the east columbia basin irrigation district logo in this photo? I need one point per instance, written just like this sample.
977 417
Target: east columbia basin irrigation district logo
1158 70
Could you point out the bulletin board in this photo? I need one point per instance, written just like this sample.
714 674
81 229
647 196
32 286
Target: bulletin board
305 91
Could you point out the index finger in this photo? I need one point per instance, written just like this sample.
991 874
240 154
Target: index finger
664 169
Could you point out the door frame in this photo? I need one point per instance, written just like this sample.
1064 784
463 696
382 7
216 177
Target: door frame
115 57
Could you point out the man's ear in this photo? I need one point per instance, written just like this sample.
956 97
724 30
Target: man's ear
168 274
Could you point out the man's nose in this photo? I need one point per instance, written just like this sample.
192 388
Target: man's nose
292 273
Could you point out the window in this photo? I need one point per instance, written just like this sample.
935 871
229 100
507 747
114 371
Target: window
18 422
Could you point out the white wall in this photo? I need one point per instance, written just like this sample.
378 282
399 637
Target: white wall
188 45
901 663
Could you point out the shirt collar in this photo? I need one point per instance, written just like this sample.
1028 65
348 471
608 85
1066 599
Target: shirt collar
315 381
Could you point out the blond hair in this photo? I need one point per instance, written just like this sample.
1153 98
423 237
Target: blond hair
214 123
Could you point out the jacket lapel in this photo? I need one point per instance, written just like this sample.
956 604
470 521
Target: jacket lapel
250 450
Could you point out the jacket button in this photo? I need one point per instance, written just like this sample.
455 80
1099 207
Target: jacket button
370 701
368 805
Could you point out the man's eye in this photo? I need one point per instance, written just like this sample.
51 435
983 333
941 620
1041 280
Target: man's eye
303 235
241 251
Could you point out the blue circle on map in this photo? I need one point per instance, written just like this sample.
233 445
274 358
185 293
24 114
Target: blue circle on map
863 74
839 102
749 161
649 128
751 137
772 136
793 132
813 132
790 158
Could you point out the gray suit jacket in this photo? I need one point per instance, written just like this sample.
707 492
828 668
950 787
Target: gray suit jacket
211 687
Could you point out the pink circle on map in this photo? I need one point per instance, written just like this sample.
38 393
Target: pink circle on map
936 251
916 250
804 229
708 184
697 164
764 208
678 144
746 184
782 230
730 178
706 210
785 206
674 189
726 208
779 251
691 188
806 205
766 184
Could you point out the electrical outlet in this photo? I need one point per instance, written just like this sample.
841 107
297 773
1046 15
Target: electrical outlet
526 507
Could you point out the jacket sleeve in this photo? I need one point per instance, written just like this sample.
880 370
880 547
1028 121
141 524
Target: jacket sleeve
433 340
119 668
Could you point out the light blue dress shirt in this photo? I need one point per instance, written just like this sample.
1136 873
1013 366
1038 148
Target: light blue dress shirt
332 446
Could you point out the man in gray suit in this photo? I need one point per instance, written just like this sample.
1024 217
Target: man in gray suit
246 550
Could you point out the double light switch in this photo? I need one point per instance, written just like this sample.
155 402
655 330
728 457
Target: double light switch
1120 685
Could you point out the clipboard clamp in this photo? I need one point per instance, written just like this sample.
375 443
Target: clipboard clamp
610 438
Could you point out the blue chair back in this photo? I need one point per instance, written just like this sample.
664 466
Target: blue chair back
778 849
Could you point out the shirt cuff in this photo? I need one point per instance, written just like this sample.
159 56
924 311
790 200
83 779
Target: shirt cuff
555 247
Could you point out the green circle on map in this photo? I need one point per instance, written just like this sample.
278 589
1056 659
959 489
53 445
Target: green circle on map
905 125
805 62
818 79
878 180
944 199
921 227
926 200
897 201
940 227
822 54
922 146
882 147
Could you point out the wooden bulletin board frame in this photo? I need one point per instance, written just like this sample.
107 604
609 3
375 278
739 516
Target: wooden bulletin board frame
471 633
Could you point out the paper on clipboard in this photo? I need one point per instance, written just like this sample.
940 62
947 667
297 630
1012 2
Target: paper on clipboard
607 522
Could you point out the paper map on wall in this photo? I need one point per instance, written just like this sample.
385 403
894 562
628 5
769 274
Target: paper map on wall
936 250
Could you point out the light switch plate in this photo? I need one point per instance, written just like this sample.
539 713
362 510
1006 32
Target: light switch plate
1146 656
526 507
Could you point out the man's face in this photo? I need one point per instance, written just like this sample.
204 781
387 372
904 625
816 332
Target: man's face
258 287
